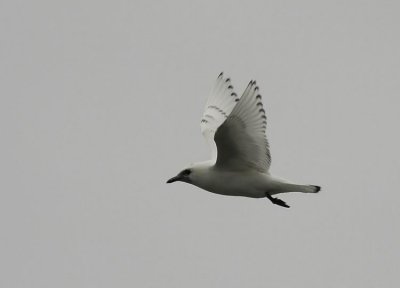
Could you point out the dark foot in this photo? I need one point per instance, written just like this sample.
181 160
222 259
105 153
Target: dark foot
277 201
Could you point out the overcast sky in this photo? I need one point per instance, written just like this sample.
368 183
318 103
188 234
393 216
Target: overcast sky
101 101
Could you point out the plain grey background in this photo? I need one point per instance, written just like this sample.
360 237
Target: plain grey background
100 103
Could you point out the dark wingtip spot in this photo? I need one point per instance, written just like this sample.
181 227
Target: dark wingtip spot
234 94
218 109
228 79
262 110
230 87
263 116
258 97
259 104
256 89
237 99
220 74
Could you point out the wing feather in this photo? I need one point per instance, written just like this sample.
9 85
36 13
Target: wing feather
219 105
241 139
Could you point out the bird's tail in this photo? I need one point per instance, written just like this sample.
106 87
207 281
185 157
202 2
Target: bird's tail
315 188
288 187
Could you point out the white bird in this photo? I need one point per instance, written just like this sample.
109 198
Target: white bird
235 129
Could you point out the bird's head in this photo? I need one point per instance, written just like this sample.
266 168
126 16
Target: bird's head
196 174
183 176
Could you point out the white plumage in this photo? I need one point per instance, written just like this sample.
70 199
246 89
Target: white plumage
235 128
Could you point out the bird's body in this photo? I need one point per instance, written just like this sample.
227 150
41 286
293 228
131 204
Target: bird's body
246 183
232 183
235 129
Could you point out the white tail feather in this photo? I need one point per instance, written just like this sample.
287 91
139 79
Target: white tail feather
288 187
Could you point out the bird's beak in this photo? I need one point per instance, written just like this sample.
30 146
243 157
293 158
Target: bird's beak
174 179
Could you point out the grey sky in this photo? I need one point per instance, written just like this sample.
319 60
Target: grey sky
100 102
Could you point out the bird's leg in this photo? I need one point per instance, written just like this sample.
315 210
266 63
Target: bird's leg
276 201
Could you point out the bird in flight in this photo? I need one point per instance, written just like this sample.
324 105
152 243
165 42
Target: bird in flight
235 129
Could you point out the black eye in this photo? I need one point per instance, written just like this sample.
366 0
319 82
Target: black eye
186 172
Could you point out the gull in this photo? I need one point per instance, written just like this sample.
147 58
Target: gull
235 128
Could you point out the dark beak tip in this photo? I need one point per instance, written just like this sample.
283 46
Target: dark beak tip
172 180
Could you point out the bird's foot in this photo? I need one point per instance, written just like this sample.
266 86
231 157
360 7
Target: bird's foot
277 201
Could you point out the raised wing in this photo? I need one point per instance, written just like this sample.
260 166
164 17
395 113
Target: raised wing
241 139
219 105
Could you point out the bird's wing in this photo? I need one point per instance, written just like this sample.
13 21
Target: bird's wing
220 104
241 139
